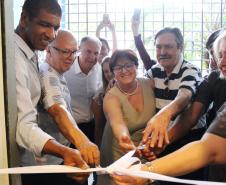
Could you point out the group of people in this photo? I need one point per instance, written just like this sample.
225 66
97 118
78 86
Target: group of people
82 107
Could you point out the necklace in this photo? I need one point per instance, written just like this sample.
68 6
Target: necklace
128 94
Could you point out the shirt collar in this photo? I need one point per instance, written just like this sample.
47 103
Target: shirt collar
24 47
77 67
177 68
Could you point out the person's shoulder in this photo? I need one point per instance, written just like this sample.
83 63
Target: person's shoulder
44 67
190 65
111 95
154 70
113 90
213 76
143 80
47 72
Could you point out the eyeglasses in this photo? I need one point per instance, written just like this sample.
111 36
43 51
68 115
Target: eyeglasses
166 92
66 52
127 67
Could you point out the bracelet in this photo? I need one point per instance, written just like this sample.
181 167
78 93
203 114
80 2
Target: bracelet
150 167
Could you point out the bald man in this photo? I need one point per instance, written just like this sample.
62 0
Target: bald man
56 117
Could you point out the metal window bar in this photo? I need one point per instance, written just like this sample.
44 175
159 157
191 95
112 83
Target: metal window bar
194 29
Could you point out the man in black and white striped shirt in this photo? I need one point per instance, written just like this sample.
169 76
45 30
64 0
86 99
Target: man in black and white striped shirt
175 83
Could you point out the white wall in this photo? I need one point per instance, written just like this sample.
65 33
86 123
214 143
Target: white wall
3 151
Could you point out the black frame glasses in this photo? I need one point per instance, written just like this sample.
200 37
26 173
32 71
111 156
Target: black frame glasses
127 67
66 52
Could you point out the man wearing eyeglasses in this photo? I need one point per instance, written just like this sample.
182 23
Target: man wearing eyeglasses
61 54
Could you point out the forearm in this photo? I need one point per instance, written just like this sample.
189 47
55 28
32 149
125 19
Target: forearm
54 148
114 41
120 130
186 121
98 31
147 61
177 105
177 131
189 158
68 126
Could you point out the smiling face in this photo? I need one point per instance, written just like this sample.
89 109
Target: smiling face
221 55
167 51
125 71
88 57
62 52
41 30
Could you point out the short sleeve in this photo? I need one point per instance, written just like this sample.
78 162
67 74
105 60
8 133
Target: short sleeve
51 87
205 89
191 78
218 126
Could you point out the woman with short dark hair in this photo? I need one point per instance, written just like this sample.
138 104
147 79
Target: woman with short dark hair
127 106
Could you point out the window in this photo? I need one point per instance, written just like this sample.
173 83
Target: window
195 18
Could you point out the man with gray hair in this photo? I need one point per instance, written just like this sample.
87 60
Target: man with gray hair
84 79
211 148
176 81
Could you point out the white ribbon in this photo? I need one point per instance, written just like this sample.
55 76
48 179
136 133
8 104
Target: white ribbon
121 166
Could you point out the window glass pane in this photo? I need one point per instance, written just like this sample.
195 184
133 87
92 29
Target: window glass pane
195 18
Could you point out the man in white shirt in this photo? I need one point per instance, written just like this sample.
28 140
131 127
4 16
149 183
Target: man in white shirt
83 80
39 22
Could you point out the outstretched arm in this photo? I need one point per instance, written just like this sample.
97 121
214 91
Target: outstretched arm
186 121
56 105
157 126
112 109
69 129
72 157
191 157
